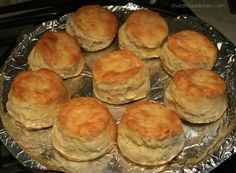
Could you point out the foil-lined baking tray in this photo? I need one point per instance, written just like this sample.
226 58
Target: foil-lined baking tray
206 146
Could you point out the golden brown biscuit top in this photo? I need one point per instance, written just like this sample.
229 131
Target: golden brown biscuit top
117 66
96 21
58 49
192 47
148 27
84 116
38 87
198 83
152 120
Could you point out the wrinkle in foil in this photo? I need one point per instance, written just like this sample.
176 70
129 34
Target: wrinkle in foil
206 147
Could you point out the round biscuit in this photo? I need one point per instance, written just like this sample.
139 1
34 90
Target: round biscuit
150 133
84 129
59 52
198 95
35 96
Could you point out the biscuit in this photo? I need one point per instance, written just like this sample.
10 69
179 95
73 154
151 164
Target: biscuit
150 134
84 129
93 26
120 77
188 49
143 33
34 98
59 52
198 95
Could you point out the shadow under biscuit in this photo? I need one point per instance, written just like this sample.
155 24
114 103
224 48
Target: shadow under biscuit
131 167
80 85
98 165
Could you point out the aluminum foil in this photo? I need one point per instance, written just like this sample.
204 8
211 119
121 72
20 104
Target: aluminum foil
206 147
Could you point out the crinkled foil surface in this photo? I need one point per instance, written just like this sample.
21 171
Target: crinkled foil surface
206 147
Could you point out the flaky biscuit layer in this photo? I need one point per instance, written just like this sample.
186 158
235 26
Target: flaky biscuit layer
188 49
59 52
197 95
84 129
150 133
35 96
143 33
120 77
93 26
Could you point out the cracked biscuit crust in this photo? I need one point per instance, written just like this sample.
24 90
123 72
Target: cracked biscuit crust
150 133
197 95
